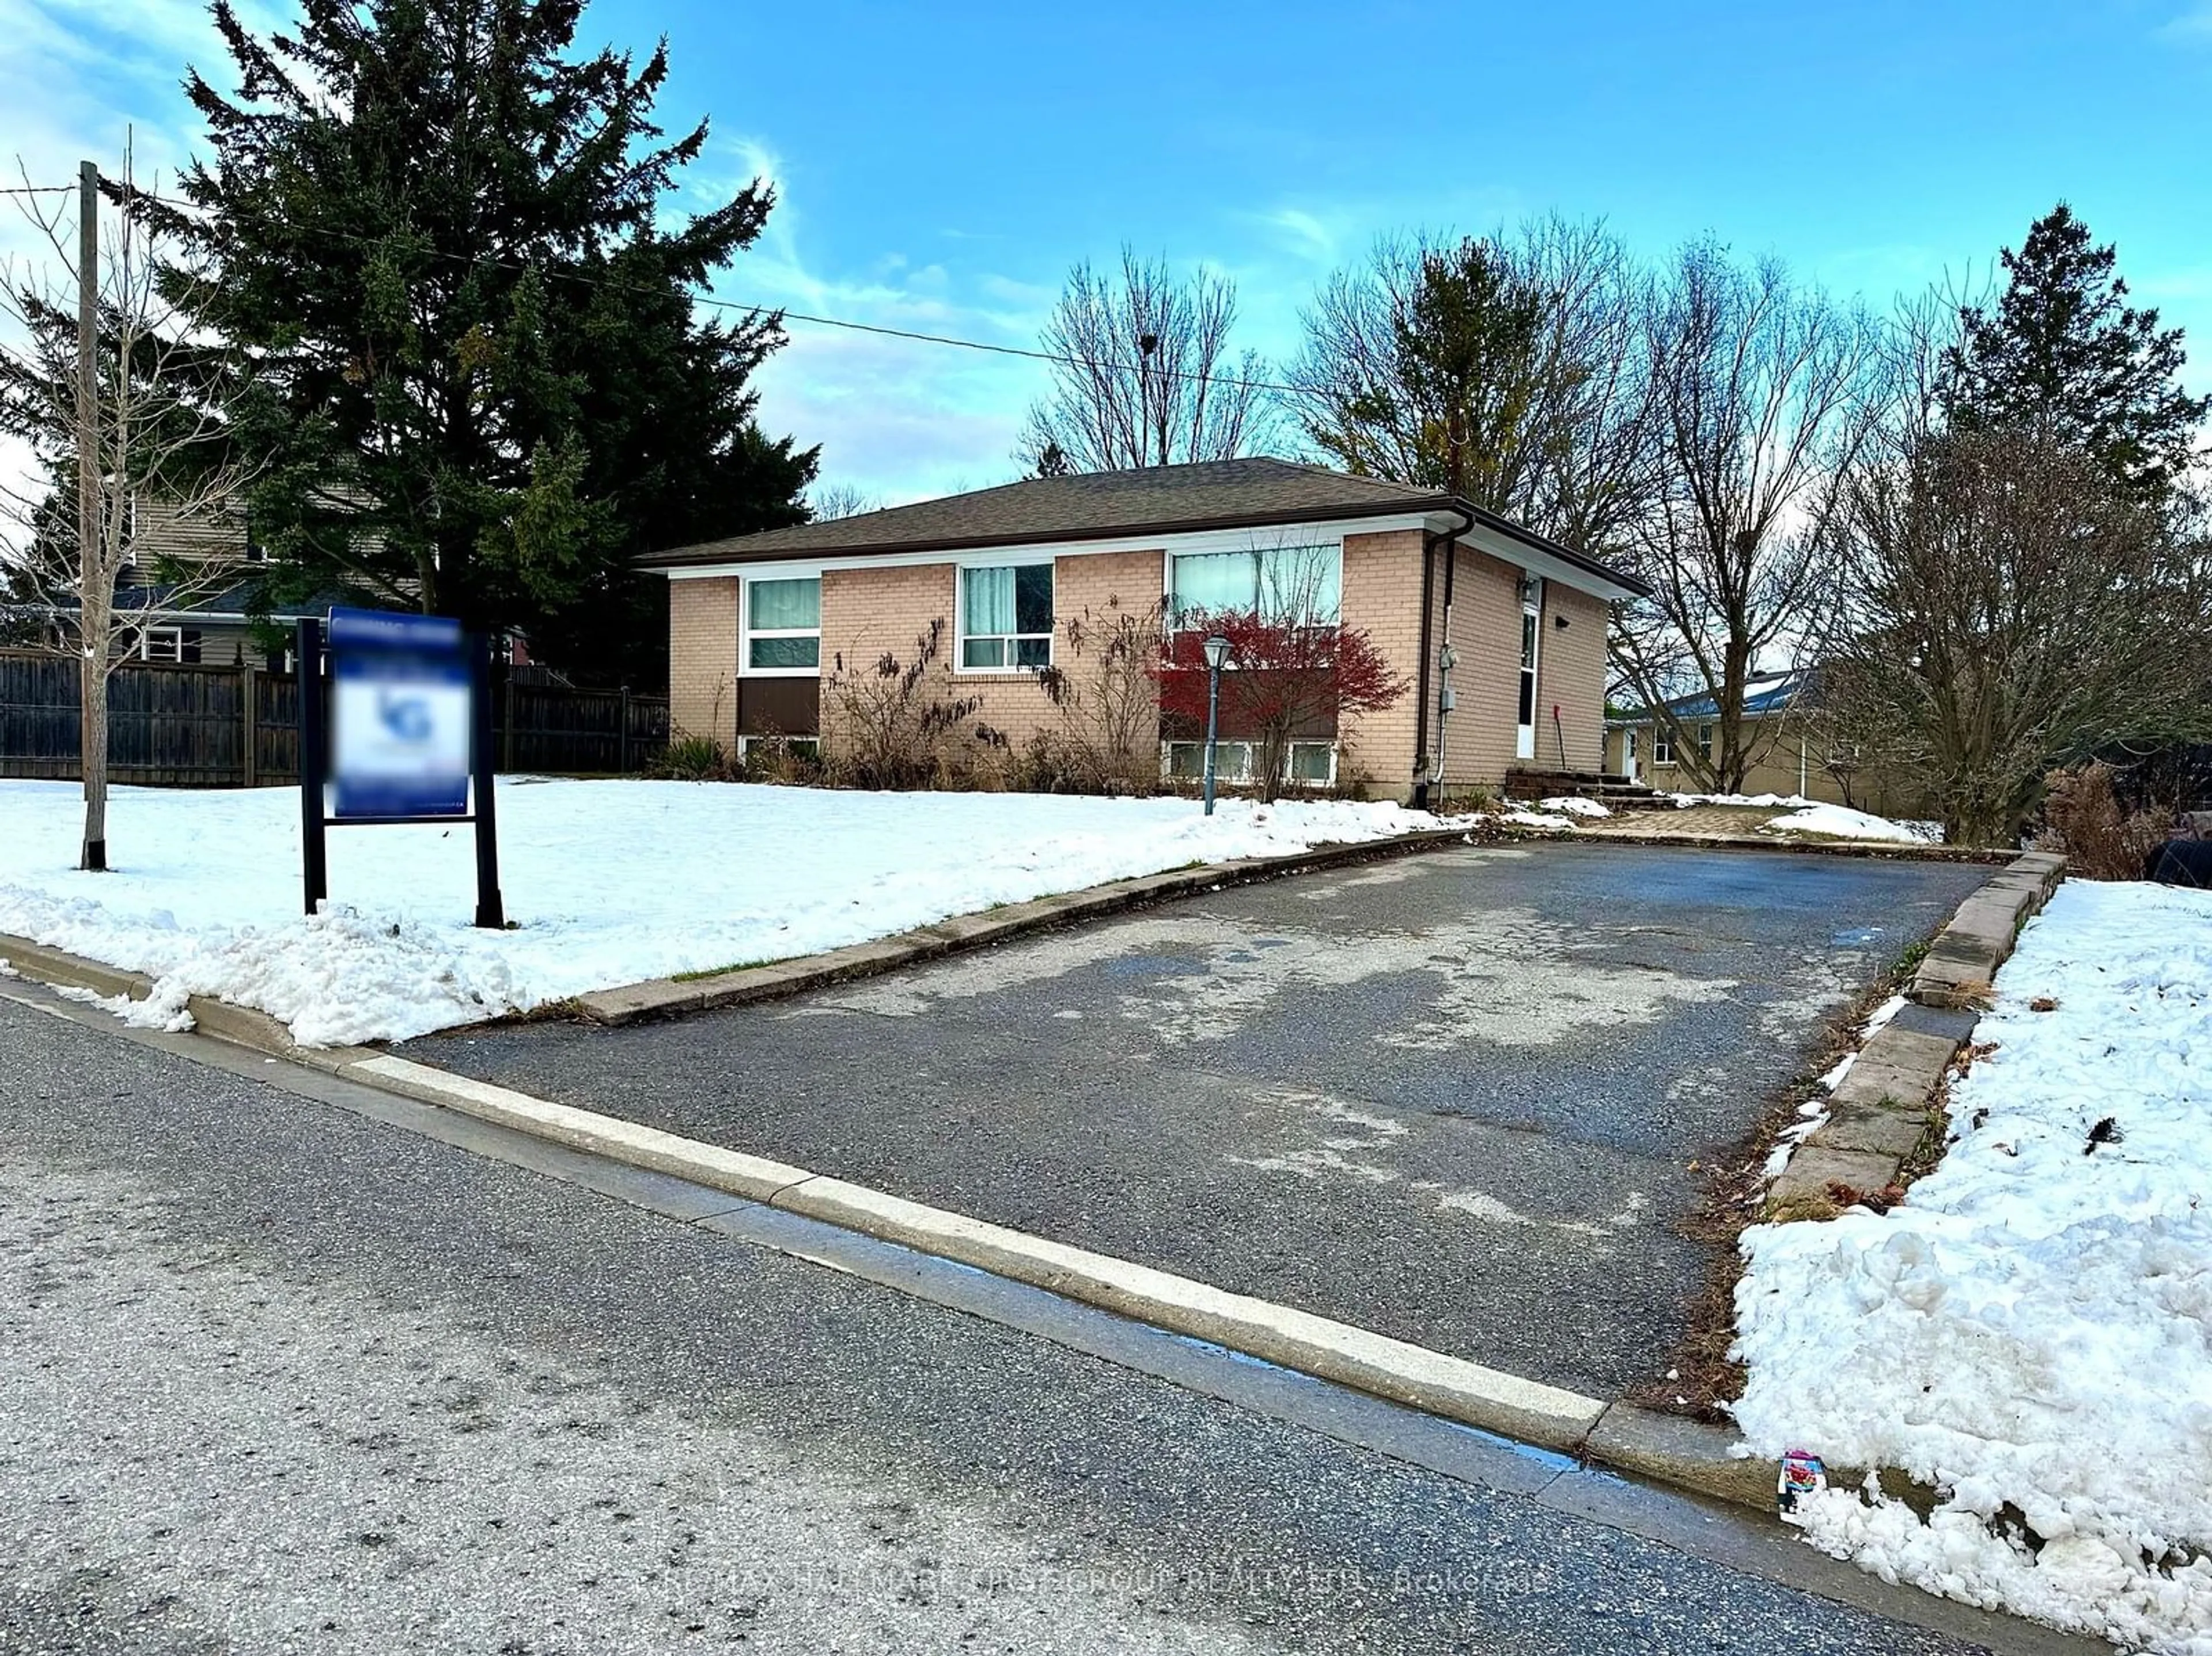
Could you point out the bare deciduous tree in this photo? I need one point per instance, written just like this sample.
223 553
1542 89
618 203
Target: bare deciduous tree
159 397
1758 396
830 501
1144 374
1509 368
2009 605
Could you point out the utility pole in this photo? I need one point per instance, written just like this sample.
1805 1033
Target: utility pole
92 726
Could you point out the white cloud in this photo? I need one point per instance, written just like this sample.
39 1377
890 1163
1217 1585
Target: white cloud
2192 25
900 419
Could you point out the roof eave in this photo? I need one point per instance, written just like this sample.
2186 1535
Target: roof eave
733 550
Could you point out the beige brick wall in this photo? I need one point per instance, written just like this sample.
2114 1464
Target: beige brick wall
1383 593
1382 596
867 612
702 657
1570 676
1486 633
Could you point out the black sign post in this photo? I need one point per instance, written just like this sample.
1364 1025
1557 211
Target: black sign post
377 653
490 912
314 763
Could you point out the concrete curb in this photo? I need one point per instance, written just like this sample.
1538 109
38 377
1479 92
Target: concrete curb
1963 960
1883 850
1705 1459
662 997
1882 1108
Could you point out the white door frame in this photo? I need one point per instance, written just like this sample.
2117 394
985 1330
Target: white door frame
1526 684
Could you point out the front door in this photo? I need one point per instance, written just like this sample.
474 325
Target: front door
1532 609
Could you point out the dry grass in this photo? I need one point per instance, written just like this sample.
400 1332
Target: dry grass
1705 1377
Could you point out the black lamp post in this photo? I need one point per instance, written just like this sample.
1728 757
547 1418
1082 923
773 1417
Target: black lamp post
1217 658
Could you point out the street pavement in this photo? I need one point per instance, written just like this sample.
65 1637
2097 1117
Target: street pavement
1455 1098
283 1369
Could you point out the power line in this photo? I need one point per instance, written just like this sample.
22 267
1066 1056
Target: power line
845 323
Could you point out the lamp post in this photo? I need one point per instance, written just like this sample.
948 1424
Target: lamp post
1217 658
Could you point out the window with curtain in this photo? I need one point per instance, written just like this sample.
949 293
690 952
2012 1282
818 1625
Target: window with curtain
1299 585
783 625
1005 616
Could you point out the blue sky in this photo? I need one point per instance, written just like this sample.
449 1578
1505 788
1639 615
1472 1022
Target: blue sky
941 167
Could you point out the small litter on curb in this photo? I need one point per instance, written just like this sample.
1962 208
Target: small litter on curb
1803 1475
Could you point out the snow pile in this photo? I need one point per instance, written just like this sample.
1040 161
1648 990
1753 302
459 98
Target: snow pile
1534 819
162 1010
610 882
1575 806
1842 822
1684 801
2029 1333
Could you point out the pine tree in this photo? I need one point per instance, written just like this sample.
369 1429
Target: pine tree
2065 354
439 235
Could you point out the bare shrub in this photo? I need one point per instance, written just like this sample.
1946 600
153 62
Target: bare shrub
891 728
2082 818
772 757
692 759
1109 706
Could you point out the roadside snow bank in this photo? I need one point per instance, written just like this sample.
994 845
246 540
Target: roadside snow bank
2029 1333
1842 822
608 882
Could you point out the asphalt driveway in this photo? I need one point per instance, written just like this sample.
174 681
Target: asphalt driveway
1453 1098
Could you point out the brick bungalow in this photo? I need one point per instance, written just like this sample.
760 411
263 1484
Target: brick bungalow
754 622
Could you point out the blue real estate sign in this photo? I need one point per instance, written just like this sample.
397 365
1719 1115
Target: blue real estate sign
402 715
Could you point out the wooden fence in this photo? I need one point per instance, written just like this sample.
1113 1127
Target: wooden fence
173 724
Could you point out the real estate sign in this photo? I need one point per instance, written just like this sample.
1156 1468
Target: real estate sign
401 715
403 734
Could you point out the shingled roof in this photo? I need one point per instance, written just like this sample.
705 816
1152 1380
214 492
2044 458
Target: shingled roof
1212 495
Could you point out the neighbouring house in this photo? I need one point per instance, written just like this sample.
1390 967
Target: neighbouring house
201 614
1498 633
1791 752
189 593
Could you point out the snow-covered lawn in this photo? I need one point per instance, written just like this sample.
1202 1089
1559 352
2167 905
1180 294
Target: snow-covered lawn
1573 804
610 882
2032 1331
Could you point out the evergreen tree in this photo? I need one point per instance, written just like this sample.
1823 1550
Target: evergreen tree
437 235
2063 353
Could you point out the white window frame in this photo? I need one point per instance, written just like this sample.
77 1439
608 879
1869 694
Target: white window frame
1529 653
1334 545
1246 748
746 633
1705 742
175 634
961 635
1662 746
794 743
